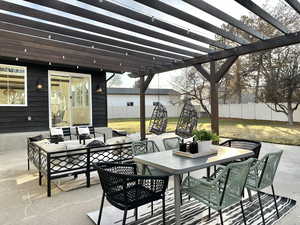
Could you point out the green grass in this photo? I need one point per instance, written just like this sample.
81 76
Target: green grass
268 131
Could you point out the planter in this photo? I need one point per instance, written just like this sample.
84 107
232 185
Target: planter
204 146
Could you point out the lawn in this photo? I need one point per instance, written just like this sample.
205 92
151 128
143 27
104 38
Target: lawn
268 131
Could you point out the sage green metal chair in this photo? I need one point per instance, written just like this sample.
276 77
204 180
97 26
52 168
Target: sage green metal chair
223 191
262 175
145 147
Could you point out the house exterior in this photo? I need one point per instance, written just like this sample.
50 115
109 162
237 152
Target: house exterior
34 97
125 102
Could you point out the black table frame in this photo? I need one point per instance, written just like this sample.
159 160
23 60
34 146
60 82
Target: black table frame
65 163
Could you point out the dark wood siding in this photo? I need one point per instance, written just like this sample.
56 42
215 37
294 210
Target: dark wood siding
15 119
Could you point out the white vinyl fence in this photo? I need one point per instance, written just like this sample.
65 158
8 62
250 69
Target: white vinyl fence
257 111
134 111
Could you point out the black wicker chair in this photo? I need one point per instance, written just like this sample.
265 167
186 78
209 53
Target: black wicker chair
125 190
254 146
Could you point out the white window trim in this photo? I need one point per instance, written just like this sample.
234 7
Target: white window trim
68 74
25 88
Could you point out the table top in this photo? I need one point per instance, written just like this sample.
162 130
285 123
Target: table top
174 164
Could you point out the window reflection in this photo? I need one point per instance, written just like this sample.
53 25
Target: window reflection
12 85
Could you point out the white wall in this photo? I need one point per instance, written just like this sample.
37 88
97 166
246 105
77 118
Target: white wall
134 111
121 100
117 105
257 111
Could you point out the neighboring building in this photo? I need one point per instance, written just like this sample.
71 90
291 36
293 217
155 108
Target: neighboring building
129 97
125 102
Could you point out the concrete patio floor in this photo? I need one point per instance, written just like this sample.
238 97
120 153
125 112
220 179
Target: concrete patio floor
24 202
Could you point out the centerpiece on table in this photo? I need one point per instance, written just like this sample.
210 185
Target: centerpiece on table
204 139
200 146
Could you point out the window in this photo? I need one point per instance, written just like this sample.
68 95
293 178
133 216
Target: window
70 99
13 85
129 103
155 103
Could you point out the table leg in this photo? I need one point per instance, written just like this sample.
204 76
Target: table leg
177 185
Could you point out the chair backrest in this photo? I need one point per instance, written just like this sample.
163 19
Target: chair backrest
67 132
144 147
234 177
267 169
113 176
171 143
254 146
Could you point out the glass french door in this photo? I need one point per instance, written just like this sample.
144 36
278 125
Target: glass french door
70 99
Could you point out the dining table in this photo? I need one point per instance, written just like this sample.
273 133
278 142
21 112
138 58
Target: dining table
176 165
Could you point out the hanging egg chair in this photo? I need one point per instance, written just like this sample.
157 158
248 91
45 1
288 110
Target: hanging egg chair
187 121
159 119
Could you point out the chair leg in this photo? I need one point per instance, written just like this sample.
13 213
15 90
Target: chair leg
209 213
151 208
242 207
189 184
215 171
221 217
164 209
124 217
277 212
250 195
101 209
136 214
261 208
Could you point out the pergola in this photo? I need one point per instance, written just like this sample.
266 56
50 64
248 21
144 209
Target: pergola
70 33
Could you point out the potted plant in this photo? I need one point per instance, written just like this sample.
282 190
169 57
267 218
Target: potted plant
204 138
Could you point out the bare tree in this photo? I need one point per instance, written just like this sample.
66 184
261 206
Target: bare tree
281 89
116 81
192 85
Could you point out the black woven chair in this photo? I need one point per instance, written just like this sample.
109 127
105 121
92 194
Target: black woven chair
125 190
254 146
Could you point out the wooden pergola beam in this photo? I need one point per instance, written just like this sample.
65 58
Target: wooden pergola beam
295 4
125 46
225 67
102 48
168 9
29 42
203 71
67 21
14 51
250 5
153 21
75 10
202 5
276 42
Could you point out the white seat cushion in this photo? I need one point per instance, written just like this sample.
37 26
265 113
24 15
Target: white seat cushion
83 130
56 131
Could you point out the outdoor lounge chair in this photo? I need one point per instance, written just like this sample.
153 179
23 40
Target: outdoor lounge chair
59 134
223 191
88 133
126 190
262 175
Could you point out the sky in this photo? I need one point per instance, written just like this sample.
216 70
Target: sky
228 6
